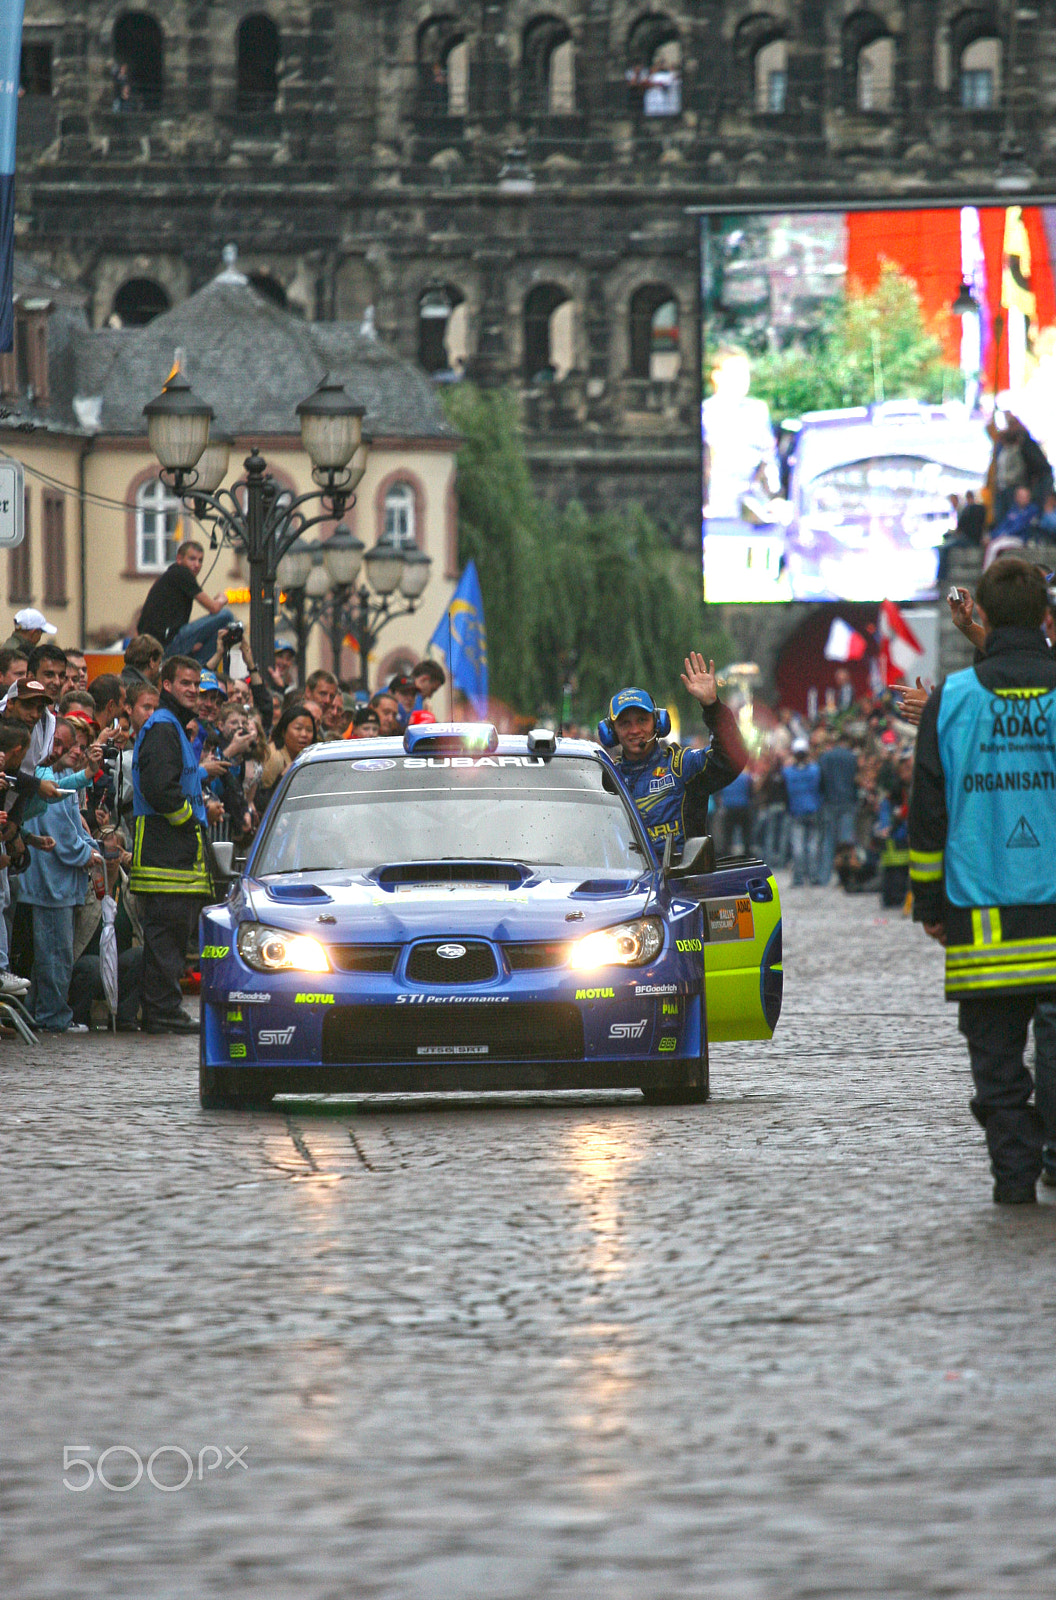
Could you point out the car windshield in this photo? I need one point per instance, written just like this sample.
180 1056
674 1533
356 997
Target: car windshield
363 813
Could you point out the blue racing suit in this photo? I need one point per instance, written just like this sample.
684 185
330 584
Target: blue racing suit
671 786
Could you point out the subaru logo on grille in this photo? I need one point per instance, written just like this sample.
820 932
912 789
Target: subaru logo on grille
451 952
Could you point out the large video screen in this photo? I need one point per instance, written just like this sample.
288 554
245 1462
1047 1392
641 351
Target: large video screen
867 377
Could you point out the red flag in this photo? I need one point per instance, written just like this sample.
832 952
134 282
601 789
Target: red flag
899 646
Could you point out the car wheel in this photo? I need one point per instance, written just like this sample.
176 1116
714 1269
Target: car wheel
691 1095
213 1097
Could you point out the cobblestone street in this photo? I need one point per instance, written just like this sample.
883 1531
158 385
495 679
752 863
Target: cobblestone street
779 1345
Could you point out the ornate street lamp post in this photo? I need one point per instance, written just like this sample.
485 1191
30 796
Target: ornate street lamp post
319 583
254 515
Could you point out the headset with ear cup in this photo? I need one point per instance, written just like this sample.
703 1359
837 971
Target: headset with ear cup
609 739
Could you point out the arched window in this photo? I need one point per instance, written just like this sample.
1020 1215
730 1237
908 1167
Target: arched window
548 82
139 76
654 334
980 74
876 75
443 67
654 65
867 56
138 302
157 524
770 70
257 51
547 334
442 330
399 515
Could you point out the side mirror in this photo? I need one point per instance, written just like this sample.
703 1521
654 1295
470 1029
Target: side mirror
698 859
224 853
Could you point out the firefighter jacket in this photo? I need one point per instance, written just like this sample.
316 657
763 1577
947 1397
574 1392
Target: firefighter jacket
671 787
168 850
982 819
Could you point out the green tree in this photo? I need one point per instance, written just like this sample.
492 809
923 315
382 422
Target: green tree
602 597
871 346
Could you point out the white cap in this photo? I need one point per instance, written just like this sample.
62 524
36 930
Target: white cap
29 621
800 747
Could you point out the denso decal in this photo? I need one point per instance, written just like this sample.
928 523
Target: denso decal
655 988
452 999
246 997
313 999
214 952
595 994
668 1042
685 945
627 1030
275 1036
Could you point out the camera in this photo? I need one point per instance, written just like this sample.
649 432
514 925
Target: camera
235 632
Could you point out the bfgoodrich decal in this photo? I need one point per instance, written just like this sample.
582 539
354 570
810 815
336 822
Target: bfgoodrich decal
655 988
246 997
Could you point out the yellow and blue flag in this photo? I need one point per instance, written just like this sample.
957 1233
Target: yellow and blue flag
460 635
10 62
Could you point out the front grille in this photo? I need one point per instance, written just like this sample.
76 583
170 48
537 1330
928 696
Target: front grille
531 957
420 1033
363 957
477 965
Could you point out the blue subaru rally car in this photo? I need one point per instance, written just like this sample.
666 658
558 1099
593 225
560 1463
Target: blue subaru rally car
460 910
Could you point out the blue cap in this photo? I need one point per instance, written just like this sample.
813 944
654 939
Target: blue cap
631 699
209 680
284 642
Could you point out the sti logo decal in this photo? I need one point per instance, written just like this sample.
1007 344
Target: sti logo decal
668 1042
214 952
684 945
627 1030
313 999
275 1036
595 994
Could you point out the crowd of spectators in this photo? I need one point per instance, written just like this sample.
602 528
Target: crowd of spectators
828 796
1017 504
66 759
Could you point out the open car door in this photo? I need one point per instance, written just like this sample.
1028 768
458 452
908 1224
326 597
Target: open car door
742 951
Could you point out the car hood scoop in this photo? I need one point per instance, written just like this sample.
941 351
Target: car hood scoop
602 888
293 894
510 873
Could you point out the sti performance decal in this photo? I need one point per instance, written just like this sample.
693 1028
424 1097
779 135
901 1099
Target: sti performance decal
275 1036
452 999
627 1030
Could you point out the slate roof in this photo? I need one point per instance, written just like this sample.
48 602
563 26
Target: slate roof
249 359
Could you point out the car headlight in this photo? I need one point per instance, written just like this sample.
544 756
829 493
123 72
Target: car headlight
629 944
274 950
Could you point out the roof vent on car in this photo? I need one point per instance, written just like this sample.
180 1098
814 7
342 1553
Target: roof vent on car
294 892
542 742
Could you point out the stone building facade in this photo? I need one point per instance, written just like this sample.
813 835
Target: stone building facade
508 183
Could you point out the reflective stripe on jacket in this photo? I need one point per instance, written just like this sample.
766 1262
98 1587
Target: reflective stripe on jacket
983 819
168 850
